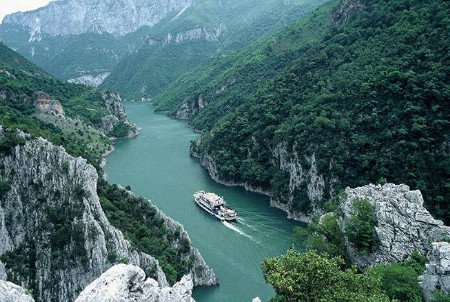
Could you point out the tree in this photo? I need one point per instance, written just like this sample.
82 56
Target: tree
399 281
360 226
311 277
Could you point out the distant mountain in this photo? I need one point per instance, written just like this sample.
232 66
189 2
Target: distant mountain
73 39
206 29
74 17
144 44
355 93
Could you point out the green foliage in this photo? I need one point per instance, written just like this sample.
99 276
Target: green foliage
360 226
5 186
152 68
367 96
141 223
20 82
440 296
399 280
311 277
120 130
327 237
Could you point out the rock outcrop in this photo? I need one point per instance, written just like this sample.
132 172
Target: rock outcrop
90 80
46 104
116 17
117 116
403 225
53 227
437 274
124 283
304 180
10 292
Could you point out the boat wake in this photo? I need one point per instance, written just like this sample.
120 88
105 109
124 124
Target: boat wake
242 221
237 230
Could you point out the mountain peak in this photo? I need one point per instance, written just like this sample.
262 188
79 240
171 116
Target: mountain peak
116 17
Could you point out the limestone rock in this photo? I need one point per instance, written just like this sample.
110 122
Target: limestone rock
52 214
116 17
403 223
117 115
10 292
46 104
90 80
3 275
126 283
437 274
257 299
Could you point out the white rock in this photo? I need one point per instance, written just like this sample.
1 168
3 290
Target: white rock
126 283
403 223
437 274
10 292
117 17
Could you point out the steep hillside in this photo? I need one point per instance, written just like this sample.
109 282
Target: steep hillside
355 93
145 45
66 114
73 39
208 28
61 223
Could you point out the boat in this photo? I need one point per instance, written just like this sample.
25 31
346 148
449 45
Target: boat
214 205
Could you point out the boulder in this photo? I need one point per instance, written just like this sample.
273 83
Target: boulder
437 274
124 283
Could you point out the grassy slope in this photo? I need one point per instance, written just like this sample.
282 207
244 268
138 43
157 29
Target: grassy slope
368 96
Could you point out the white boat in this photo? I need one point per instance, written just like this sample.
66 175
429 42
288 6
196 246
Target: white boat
214 205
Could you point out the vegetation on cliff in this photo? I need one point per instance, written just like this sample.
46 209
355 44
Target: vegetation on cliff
81 133
362 85
208 29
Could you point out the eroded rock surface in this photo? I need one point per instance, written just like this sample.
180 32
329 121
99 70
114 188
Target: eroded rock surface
403 223
125 283
437 274
50 216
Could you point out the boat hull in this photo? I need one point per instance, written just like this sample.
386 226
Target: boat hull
209 211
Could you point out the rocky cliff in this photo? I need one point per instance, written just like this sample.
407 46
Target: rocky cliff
10 292
54 236
304 179
403 225
124 283
116 117
116 17
437 274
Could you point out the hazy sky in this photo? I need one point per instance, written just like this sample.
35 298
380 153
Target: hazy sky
12 6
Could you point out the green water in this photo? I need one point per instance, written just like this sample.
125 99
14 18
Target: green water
157 165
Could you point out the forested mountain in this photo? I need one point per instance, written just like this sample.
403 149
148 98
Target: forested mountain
357 92
85 39
208 28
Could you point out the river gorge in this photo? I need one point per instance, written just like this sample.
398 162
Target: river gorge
156 164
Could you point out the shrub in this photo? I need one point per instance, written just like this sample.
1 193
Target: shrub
399 281
311 277
360 226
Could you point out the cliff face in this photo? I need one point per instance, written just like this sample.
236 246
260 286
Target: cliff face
52 220
123 283
117 116
116 17
54 236
303 179
403 225
437 274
